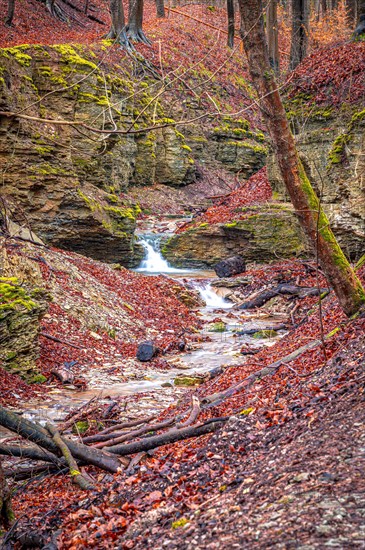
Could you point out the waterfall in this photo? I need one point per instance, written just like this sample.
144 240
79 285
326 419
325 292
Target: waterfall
211 298
153 261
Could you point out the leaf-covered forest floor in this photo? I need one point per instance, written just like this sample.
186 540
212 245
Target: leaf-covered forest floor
286 471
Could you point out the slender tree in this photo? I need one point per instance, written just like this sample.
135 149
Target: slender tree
272 34
10 15
160 8
135 22
300 31
230 14
360 29
117 29
339 273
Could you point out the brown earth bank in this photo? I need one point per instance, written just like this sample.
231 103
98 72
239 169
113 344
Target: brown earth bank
283 471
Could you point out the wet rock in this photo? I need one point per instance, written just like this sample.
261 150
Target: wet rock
217 327
230 266
146 351
265 334
193 380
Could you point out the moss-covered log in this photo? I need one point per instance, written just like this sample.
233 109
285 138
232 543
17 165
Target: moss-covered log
340 275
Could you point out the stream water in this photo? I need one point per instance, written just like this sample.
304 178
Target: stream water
156 389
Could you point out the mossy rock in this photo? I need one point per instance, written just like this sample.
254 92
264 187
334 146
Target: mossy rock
217 327
184 380
265 334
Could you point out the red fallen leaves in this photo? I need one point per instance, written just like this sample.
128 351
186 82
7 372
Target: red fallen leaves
256 190
332 75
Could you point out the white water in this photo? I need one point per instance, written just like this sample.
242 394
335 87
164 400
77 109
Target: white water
211 298
154 261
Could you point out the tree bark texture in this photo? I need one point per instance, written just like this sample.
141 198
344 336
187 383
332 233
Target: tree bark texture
10 15
35 433
336 267
6 511
300 31
360 29
135 22
117 31
272 34
230 15
160 8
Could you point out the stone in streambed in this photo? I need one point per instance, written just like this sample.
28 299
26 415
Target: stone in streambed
193 380
230 266
146 351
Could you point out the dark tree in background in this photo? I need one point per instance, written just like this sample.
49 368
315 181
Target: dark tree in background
272 34
300 31
10 15
117 30
230 14
360 29
135 22
160 8
342 278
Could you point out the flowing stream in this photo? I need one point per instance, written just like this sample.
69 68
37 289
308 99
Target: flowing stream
156 389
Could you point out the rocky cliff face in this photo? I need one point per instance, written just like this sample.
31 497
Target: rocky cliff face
23 301
332 149
67 182
266 233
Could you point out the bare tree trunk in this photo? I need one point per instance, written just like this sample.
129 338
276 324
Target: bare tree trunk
10 15
338 271
135 22
272 34
6 511
230 14
160 8
360 29
117 31
300 31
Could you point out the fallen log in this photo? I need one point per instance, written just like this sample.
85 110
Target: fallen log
40 436
76 475
64 375
58 340
128 424
20 474
283 289
113 438
249 331
171 437
247 382
33 453
194 413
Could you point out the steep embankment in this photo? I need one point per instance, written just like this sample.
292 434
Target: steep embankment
60 308
67 177
324 101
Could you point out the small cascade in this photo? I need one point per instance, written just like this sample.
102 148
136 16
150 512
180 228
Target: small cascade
211 298
154 261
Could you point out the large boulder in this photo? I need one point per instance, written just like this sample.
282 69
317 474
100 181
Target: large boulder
266 233
230 266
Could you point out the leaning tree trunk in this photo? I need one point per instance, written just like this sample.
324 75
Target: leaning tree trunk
272 34
230 15
300 32
160 8
338 271
10 15
117 31
6 511
135 22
